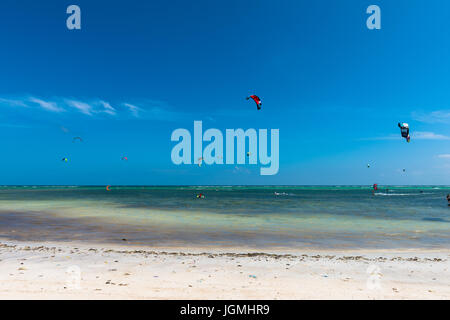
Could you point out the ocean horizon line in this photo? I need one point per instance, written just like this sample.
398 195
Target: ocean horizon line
224 185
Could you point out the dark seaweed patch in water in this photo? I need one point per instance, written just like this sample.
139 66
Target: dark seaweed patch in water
435 219
42 226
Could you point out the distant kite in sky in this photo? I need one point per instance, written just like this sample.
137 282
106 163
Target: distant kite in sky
257 101
77 139
65 159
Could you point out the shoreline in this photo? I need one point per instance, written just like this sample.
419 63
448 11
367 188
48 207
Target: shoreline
195 249
46 270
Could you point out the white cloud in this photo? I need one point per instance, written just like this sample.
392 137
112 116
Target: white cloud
93 107
133 109
13 102
444 156
162 114
152 109
81 106
440 116
47 105
155 110
239 170
421 135
418 135
391 137
108 108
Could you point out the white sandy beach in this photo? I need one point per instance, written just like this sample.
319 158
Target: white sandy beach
84 271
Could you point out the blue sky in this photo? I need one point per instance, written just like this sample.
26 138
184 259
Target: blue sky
137 70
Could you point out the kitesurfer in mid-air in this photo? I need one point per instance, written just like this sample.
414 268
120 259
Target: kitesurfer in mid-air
404 128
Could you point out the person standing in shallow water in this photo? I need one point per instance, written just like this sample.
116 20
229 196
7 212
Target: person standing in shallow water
448 199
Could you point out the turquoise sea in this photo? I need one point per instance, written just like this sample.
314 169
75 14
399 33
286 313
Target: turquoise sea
252 216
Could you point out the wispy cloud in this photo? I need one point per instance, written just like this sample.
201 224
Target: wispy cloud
81 106
154 110
133 109
162 114
444 156
47 105
92 107
421 135
30 102
418 135
240 170
13 102
440 116
390 137
146 109
108 108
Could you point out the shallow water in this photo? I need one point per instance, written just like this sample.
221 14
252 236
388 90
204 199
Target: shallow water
316 217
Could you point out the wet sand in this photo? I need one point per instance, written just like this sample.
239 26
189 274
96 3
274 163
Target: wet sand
69 270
